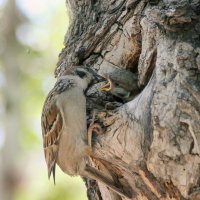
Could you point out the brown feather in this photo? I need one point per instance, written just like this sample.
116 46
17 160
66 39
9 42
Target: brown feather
52 123
51 131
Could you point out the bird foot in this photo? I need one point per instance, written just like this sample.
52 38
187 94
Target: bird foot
94 128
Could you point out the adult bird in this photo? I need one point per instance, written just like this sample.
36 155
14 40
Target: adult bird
64 129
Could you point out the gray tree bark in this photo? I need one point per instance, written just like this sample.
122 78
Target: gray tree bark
151 145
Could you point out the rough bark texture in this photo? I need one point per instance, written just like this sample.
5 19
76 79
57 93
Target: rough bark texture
151 146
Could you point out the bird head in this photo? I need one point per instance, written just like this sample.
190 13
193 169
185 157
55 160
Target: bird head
88 75
121 83
84 74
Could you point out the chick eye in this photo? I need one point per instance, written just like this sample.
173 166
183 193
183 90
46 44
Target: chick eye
81 74
116 84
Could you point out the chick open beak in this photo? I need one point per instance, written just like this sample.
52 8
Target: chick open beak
107 87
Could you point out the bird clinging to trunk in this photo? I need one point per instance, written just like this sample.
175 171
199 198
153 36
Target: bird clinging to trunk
64 129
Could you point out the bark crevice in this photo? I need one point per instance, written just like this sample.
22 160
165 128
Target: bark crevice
151 144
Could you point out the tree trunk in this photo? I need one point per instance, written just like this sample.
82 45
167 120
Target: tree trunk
151 144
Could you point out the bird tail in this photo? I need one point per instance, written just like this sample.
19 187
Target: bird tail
93 173
52 169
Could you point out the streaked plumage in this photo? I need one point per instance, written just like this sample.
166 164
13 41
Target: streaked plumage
52 123
64 129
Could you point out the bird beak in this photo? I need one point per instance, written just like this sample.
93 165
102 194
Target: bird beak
97 77
106 87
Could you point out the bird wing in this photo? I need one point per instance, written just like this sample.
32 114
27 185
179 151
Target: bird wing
52 124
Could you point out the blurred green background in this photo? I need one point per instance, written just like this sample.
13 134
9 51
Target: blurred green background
31 37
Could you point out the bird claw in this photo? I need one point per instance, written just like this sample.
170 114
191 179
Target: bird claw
94 127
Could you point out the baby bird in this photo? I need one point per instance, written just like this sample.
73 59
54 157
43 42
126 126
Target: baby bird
121 83
64 129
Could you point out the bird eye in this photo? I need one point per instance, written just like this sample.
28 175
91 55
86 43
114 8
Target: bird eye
81 74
